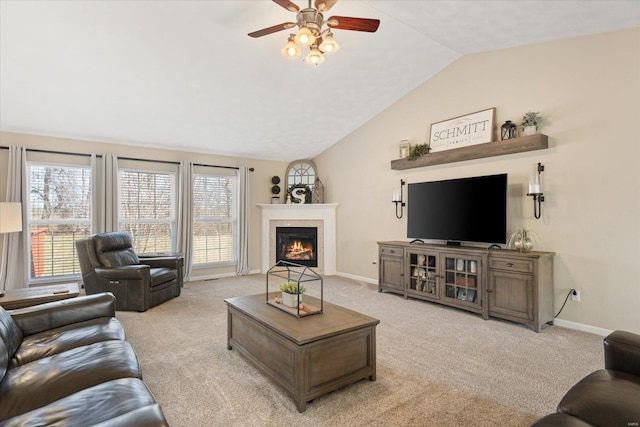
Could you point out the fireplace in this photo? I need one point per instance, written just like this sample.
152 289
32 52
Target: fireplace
298 245
321 216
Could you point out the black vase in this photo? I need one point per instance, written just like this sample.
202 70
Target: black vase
508 130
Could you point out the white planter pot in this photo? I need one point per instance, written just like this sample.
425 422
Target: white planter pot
290 300
530 130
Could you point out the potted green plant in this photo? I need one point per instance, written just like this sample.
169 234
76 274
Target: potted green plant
292 293
418 150
530 122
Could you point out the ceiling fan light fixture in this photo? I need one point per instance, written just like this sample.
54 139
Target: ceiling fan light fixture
291 50
304 37
314 57
329 44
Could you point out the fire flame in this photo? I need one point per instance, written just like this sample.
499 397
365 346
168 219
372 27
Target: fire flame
297 250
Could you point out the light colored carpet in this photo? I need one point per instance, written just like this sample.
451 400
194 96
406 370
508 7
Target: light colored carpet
436 366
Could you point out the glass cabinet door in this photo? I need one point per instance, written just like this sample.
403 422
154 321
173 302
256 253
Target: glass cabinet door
422 274
461 279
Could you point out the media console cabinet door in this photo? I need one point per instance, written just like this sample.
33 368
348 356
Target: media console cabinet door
390 269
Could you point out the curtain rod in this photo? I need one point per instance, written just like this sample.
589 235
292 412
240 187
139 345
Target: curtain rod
2 147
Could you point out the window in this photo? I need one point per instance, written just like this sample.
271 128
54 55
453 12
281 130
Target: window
214 219
59 213
147 209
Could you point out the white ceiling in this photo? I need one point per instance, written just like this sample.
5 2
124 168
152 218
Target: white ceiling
184 74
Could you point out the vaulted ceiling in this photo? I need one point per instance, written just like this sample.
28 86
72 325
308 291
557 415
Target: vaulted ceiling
184 75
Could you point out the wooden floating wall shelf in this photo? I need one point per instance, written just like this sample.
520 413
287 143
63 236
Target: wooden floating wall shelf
480 151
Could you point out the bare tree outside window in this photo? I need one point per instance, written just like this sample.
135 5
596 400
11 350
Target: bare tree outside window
147 209
59 213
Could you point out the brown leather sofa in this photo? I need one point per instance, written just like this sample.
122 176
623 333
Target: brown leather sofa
67 363
109 264
609 396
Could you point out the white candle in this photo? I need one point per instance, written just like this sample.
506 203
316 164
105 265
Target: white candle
534 185
396 195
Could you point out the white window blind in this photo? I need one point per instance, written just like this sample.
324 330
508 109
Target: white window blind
59 213
147 209
215 220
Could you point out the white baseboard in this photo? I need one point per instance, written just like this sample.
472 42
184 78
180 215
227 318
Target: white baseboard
359 278
582 327
218 276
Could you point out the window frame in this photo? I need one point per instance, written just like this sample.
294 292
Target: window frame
233 220
173 221
30 222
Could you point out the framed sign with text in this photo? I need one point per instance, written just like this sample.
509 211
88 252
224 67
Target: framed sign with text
472 129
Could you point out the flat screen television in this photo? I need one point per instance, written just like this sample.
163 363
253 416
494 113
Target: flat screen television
459 210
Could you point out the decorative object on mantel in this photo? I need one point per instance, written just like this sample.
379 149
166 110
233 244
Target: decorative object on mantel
530 122
275 190
508 130
498 148
405 148
300 193
285 288
536 192
311 34
418 151
317 192
398 199
463 131
301 174
523 240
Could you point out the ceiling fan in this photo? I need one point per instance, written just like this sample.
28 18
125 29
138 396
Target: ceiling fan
310 22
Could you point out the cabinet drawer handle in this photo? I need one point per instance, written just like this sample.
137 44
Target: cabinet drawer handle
509 264
489 291
392 251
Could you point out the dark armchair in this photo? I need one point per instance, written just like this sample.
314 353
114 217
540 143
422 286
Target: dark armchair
109 264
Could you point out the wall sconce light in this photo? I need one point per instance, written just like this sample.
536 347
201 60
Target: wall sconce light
398 200
536 192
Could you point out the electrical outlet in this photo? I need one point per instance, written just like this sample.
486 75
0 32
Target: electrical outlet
575 296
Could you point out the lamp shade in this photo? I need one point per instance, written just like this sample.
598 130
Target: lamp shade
329 44
291 50
10 217
314 57
304 37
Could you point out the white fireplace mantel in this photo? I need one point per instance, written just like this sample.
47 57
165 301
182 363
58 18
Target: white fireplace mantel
323 212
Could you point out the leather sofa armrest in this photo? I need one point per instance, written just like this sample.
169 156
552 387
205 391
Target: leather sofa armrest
163 261
622 352
125 272
42 317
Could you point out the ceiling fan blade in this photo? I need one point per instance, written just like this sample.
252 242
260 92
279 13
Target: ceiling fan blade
354 24
324 5
274 29
290 6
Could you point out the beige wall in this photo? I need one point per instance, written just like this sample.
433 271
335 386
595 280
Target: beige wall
588 89
260 178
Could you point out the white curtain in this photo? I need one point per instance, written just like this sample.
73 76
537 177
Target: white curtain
244 221
105 191
185 217
13 268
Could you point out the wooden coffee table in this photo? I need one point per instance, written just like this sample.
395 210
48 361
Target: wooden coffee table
308 356
19 298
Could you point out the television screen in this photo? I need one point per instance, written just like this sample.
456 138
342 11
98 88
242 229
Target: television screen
461 210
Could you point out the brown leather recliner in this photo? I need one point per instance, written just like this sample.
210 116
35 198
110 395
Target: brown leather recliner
109 264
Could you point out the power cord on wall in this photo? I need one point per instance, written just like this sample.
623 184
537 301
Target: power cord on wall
572 291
